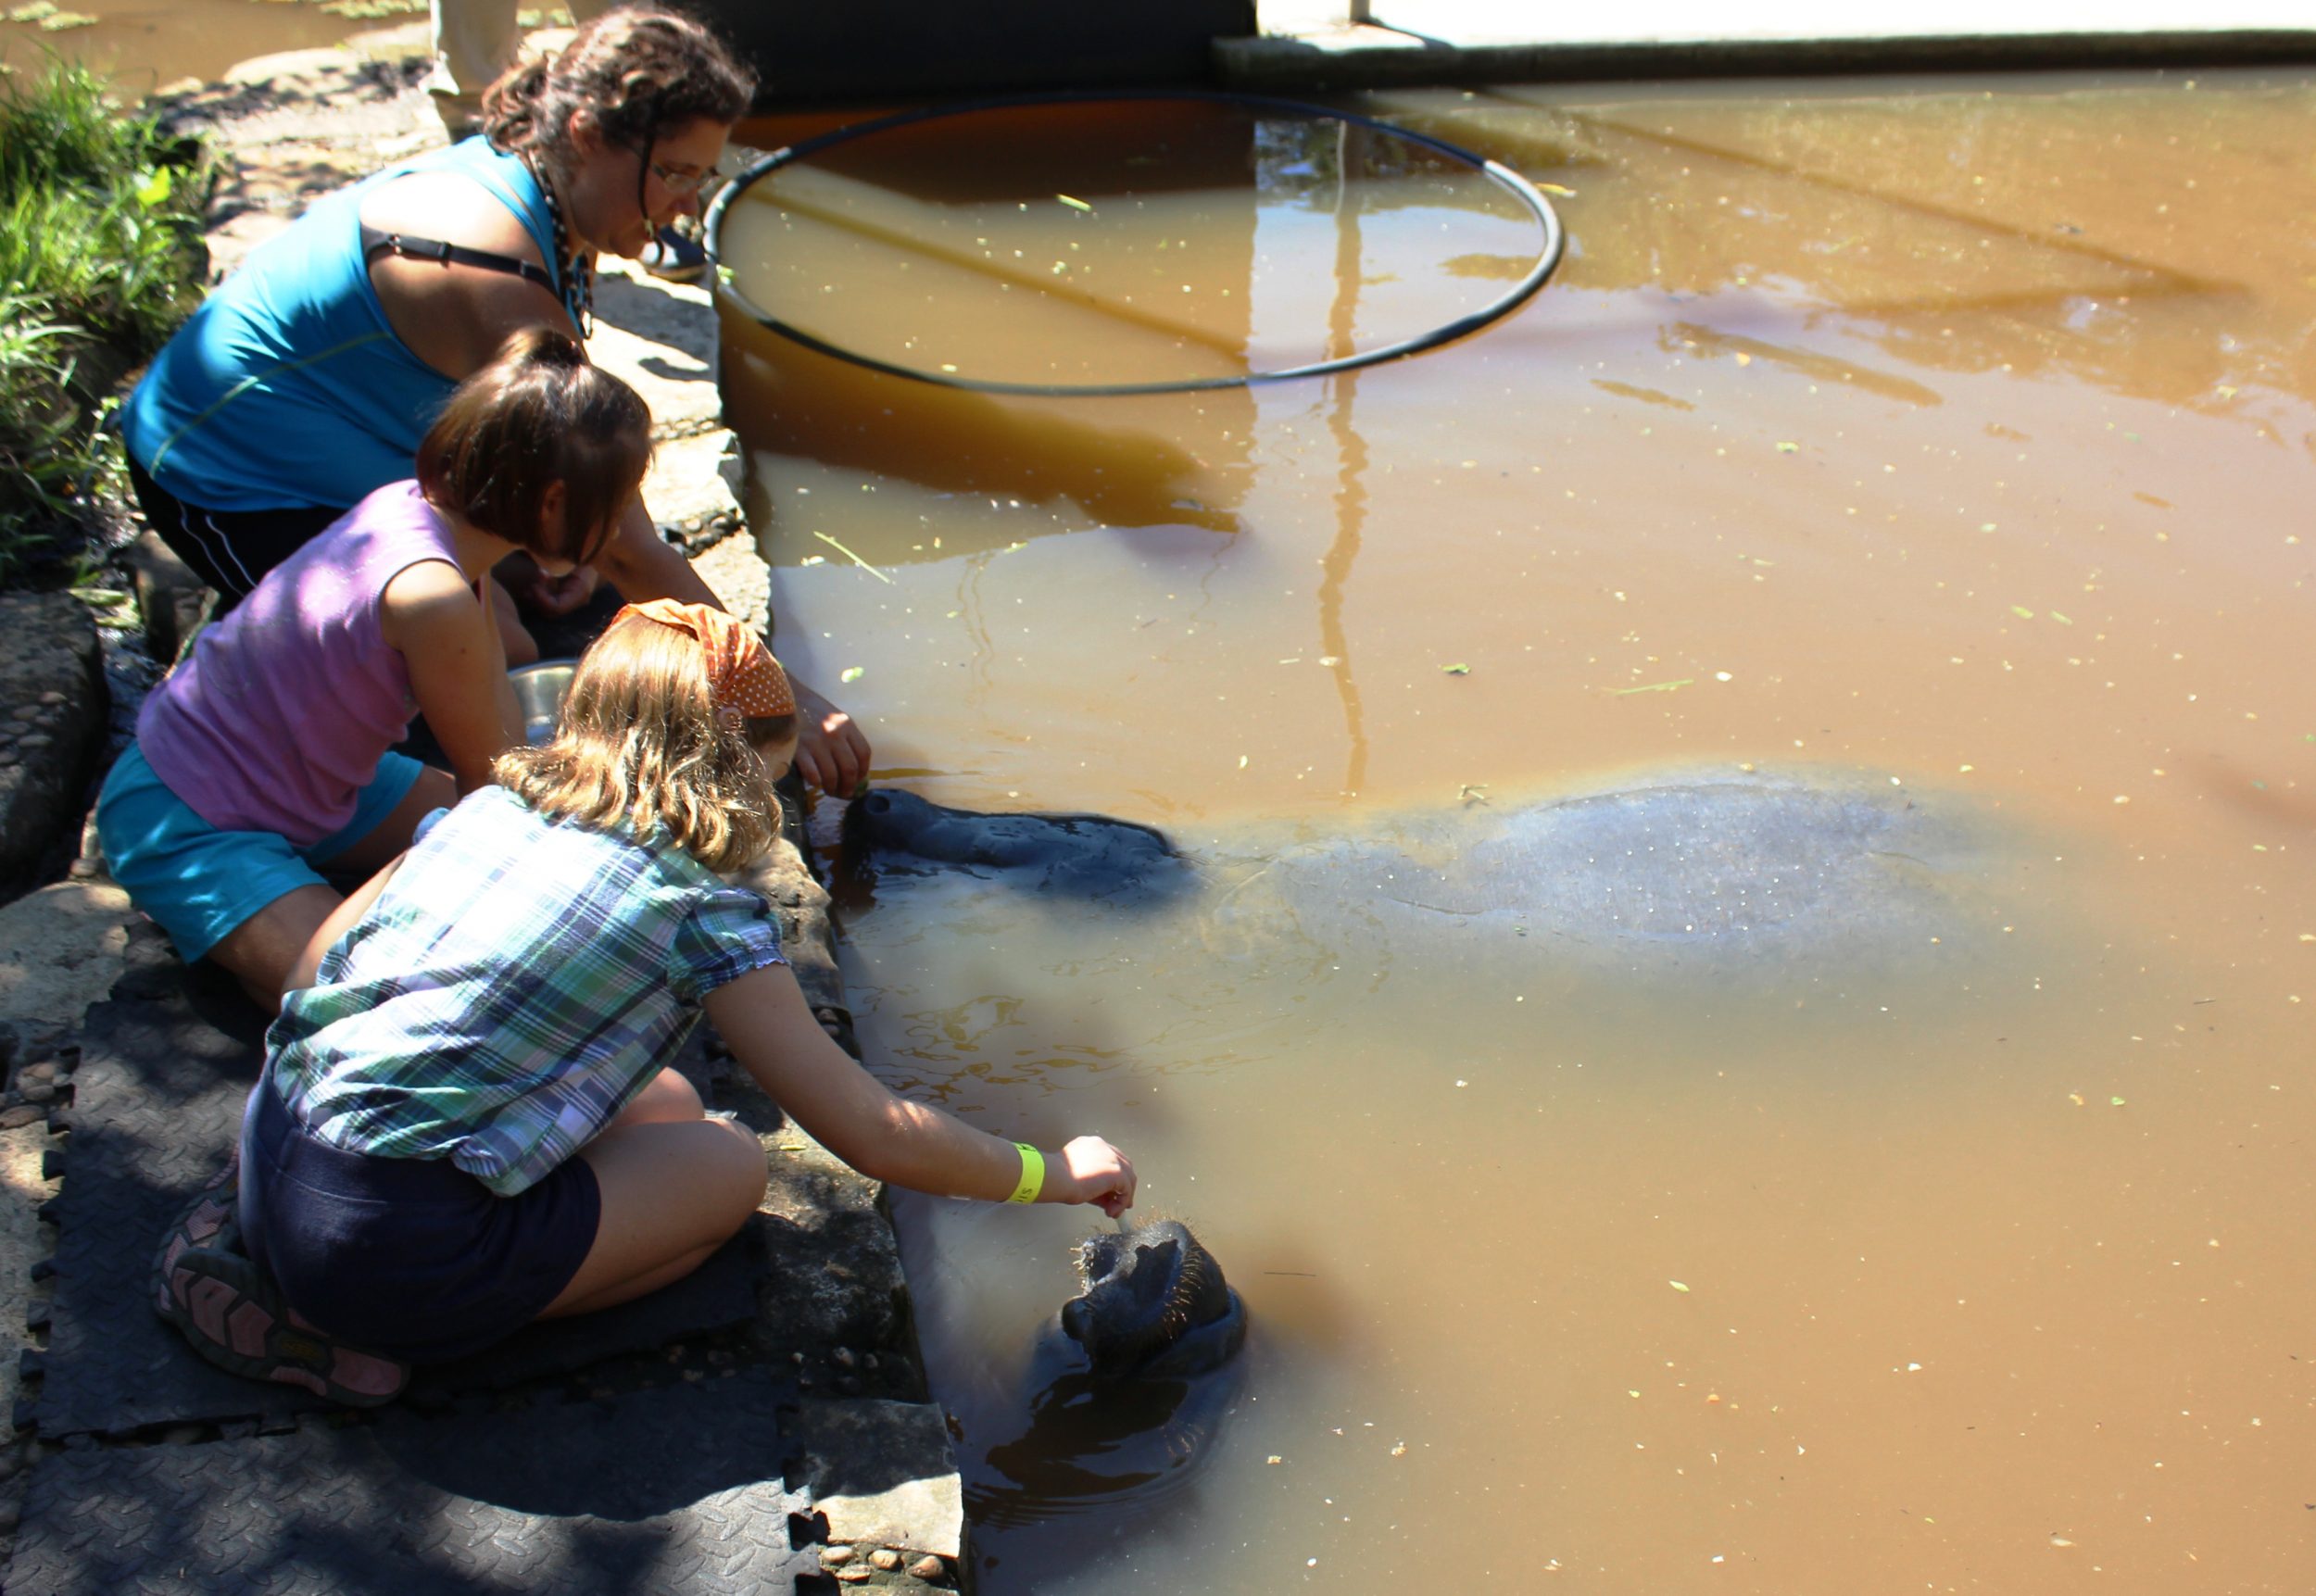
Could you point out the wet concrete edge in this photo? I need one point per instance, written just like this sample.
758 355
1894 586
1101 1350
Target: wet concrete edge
1372 57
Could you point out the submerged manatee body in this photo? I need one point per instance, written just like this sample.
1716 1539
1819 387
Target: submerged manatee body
1076 855
1688 871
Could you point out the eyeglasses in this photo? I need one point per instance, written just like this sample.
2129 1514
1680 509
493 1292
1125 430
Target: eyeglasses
676 181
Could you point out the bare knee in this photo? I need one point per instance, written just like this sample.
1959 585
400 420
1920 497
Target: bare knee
742 1174
669 1099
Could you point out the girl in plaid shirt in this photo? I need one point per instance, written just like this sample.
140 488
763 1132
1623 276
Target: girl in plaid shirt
466 1121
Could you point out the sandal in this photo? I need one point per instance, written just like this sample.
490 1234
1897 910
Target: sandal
234 1316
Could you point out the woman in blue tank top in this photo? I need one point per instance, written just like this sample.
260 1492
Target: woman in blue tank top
307 379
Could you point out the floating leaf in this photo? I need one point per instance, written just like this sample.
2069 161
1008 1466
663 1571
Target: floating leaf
1788 448
2063 620
1656 688
856 559
1677 1285
2115 1102
1458 669
1555 188
1073 202
851 674
2022 612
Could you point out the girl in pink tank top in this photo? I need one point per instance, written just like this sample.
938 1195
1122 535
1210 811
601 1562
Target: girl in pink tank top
268 751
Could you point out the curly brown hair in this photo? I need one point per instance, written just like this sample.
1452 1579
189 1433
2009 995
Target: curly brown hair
636 69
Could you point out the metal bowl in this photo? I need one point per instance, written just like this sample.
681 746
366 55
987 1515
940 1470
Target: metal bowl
539 689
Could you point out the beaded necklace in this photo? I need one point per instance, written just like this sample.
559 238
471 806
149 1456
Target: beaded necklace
574 270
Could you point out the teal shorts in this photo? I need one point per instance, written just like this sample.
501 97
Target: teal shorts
199 882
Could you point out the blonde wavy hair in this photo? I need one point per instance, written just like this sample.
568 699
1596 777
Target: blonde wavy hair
641 741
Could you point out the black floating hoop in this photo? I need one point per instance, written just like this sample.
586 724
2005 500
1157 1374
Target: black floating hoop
1547 258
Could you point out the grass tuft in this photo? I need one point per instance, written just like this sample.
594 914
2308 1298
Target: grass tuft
100 258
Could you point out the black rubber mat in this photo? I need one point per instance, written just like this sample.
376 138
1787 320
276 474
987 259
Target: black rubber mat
158 1101
676 1490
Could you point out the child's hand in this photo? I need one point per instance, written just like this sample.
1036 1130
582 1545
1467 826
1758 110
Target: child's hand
1090 1170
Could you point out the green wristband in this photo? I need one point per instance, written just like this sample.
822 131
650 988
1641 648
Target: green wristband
1032 1174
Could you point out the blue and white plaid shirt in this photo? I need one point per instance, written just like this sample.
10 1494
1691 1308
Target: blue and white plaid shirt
513 988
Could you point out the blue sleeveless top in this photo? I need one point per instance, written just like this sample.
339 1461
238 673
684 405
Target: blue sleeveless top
288 388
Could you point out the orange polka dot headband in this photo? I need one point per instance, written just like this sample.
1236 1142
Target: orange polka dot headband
742 674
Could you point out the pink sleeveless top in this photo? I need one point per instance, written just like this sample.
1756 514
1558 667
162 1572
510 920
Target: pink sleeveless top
279 717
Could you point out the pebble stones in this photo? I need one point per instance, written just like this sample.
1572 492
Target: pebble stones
928 1569
693 533
886 1558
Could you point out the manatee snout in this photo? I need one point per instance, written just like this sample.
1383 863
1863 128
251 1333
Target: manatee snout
1083 854
1155 1304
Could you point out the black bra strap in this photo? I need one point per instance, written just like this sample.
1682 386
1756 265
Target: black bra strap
376 243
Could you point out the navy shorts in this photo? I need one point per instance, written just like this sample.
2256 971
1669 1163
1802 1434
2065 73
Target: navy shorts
410 1257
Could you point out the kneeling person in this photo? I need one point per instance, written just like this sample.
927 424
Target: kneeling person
466 1120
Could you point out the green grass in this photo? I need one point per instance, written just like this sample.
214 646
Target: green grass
100 260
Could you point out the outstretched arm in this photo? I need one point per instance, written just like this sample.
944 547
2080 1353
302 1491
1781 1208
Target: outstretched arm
771 1030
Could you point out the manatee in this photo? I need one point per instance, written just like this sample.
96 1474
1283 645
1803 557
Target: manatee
1685 872
1074 855
1125 1384
1155 1305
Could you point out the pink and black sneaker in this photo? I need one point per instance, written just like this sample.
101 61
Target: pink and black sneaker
234 1316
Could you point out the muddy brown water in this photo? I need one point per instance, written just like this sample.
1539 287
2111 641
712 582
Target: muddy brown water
142 45
1955 434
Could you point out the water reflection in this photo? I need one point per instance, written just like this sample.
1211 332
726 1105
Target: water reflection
1086 244
2074 228
1066 466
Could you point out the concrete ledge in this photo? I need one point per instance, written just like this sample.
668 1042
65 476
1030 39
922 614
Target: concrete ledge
880 1473
1357 57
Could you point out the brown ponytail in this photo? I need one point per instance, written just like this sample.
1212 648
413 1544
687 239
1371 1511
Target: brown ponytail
538 414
